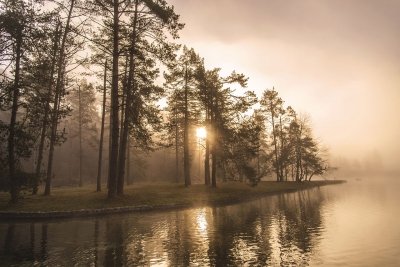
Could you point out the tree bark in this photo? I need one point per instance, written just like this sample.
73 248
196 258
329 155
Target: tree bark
207 152
113 160
80 136
177 176
277 170
14 181
215 141
129 102
57 95
128 162
186 166
103 115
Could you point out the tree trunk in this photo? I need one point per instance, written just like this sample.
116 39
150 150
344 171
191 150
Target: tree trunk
128 162
277 170
57 95
109 149
113 160
207 152
214 165
14 180
186 162
177 176
46 112
80 136
215 141
282 168
103 115
129 100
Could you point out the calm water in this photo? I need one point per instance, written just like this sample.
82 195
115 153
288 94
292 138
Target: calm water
355 224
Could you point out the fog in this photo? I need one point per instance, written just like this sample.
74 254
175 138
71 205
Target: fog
336 60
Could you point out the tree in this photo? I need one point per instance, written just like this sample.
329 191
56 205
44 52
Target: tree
308 159
17 26
182 82
58 91
42 78
103 113
131 21
82 101
147 23
224 108
271 105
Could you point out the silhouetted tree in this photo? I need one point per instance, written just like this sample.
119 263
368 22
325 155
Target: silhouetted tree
181 79
225 108
271 105
18 33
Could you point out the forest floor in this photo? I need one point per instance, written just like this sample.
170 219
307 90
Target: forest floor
84 201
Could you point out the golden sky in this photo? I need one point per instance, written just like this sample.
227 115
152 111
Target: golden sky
337 60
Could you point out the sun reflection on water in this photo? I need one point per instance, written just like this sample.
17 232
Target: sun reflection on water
201 221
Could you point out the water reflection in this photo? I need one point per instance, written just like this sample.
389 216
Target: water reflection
275 231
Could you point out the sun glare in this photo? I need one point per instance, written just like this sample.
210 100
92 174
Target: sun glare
201 132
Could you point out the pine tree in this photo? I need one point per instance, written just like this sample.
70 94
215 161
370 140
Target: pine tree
182 83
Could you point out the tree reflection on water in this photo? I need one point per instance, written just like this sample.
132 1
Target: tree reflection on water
276 230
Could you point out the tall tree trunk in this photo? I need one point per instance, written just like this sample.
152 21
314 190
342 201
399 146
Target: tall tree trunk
186 163
128 162
123 99
282 168
14 181
57 96
46 111
109 149
129 100
215 141
113 160
80 136
103 115
214 163
207 152
277 170
177 176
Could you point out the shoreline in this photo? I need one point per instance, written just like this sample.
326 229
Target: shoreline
206 200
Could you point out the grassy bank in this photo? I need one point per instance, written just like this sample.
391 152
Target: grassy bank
151 196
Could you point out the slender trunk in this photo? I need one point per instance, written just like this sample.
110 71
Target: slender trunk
214 165
109 149
128 162
46 112
57 95
207 152
277 170
129 100
14 180
113 160
176 148
123 99
80 136
282 168
103 115
215 141
186 163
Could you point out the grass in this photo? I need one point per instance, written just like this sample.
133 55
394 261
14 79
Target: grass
74 198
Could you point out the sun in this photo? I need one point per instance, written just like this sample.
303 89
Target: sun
201 132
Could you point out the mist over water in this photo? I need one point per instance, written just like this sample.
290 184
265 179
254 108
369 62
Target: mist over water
353 224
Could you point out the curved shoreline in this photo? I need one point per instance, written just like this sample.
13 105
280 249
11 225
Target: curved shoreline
41 215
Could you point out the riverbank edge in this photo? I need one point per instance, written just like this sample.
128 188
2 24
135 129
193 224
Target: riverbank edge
25 215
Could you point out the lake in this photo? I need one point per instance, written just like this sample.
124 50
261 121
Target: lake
352 224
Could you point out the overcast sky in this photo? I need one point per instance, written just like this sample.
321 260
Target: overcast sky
336 60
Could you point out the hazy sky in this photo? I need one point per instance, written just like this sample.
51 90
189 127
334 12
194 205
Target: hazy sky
336 60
